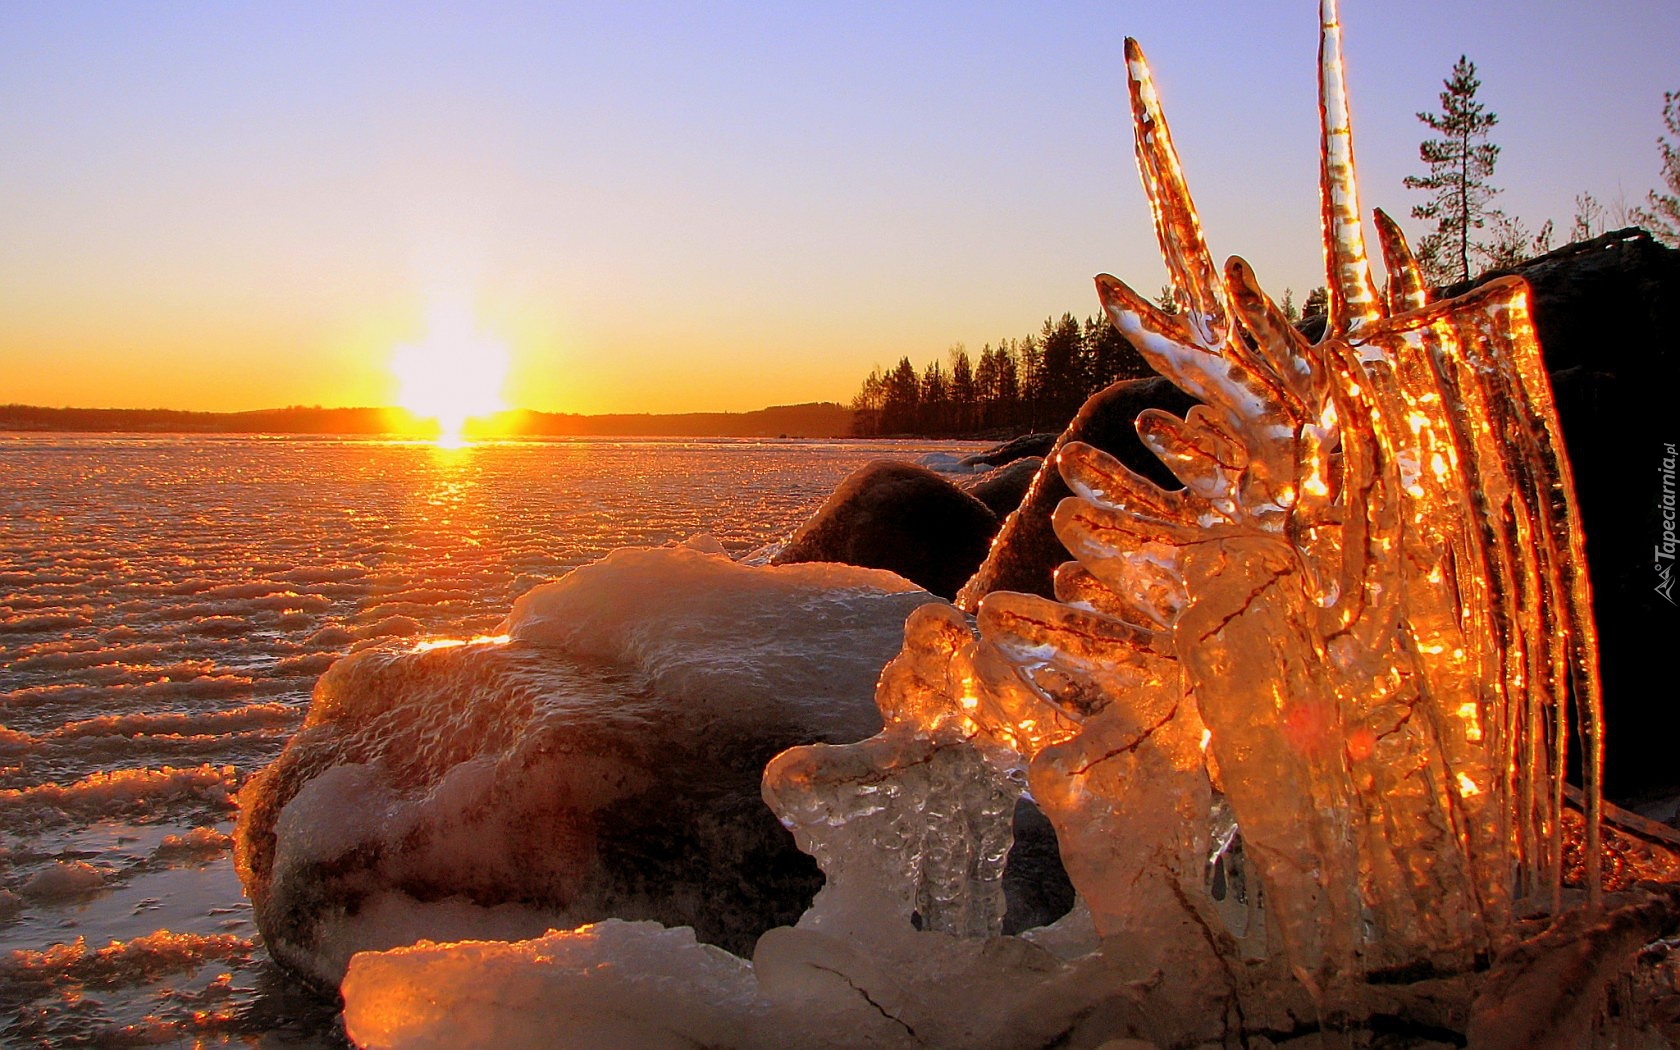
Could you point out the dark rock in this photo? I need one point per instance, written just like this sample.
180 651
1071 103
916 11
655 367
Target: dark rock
1018 448
1608 315
1607 312
1036 887
1003 488
1610 304
1026 553
897 516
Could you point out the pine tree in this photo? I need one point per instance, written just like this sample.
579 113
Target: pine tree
1662 217
986 386
1029 369
901 399
1110 357
963 390
935 410
866 406
1318 301
1460 163
1510 243
1060 382
1008 386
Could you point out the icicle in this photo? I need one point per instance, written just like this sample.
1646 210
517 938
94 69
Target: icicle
1177 226
1406 290
1353 296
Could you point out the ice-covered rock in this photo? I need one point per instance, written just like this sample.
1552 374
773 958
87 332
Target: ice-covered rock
600 758
611 984
639 986
947 463
65 879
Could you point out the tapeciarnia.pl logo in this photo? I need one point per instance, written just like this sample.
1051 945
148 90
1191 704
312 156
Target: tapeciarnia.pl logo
1664 560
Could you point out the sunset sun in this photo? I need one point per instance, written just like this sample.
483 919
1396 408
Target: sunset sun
456 372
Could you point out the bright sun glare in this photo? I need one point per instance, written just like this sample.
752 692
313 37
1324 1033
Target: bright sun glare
454 374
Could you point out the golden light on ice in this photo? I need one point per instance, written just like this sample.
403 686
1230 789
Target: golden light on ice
455 373
429 644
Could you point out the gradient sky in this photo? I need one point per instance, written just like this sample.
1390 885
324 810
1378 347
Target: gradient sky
704 206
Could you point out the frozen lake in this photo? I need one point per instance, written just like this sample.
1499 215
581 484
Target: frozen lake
165 606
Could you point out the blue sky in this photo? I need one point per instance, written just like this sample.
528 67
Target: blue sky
703 206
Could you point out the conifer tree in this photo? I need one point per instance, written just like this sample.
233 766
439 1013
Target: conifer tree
1589 218
963 395
1060 372
901 399
1460 163
1008 387
866 406
1318 301
935 408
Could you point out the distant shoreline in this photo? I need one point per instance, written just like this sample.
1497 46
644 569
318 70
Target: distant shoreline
820 419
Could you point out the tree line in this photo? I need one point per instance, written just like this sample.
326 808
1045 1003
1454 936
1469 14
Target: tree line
1039 381
1036 382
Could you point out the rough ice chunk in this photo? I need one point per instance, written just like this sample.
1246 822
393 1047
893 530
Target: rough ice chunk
617 985
600 759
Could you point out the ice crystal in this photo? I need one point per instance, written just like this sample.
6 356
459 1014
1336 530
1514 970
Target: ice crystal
1314 706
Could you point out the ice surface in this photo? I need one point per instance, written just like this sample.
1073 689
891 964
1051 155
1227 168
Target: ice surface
133 711
728 639
1301 725
75 878
639 985
948 463
599 757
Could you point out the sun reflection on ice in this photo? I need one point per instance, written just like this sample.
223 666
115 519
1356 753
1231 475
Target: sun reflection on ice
455 643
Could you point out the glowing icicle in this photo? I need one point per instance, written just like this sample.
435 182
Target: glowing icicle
1176 224
1406 290
1349 643
1353 295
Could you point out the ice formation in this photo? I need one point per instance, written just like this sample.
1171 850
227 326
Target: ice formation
1336 666
599 756
1302 725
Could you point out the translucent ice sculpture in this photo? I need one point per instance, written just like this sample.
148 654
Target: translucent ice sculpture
1301 725
1338 671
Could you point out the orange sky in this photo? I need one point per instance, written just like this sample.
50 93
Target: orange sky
703 208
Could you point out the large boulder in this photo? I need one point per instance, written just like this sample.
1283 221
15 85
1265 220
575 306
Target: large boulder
1003 488
601 760
1025 555
900 517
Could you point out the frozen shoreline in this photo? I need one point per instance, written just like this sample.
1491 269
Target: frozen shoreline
169 603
